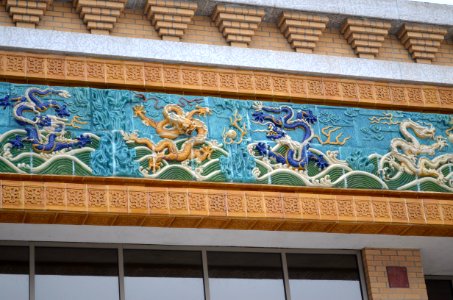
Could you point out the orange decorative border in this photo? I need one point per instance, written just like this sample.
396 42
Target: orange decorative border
207 80
134 205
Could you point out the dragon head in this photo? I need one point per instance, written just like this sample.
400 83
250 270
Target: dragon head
274 132
423 131
429 131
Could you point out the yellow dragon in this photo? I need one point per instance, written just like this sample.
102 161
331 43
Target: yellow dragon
175 123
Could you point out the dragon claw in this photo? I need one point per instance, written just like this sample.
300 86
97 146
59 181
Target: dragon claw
5 102
154 164
64 94
139 110
17 142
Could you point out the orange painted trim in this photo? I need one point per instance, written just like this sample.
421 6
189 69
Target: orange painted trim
138 205
69 70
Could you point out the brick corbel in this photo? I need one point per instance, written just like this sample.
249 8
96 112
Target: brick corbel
27 13
302 30
99 16
422 41
237 24
170 18
365 36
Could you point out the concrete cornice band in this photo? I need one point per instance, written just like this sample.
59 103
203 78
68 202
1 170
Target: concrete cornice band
48 41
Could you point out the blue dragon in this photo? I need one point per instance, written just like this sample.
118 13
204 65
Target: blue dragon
298 154
44 132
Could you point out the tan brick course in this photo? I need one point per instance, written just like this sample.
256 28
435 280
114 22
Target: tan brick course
99 16
26 13
302 30
422 41
170 18
365 37
238 25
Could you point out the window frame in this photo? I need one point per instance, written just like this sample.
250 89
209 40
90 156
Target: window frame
439 277
203 249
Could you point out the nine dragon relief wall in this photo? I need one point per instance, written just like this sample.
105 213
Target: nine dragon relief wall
105 132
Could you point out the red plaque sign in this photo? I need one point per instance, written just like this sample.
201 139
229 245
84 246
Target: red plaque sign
397 277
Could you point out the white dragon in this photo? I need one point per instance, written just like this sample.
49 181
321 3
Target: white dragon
405 152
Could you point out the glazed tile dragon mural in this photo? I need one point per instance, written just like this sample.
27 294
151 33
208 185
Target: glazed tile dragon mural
104 132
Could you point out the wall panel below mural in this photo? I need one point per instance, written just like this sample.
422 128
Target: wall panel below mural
104 132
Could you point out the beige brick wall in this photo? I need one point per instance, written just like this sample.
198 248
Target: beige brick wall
133 23
445 54
332 42
375 262
268 36
203 31
62 16
392 49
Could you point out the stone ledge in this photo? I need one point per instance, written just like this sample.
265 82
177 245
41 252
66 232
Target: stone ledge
22 39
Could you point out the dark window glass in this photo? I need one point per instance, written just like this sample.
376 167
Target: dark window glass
76 274
14 269
439 289
166 275
323 276
245 276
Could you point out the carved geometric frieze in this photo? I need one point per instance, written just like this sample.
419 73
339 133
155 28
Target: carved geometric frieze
170 18
99 16
365 36
27 13
422 41
62 69
238 25
98 204
302 30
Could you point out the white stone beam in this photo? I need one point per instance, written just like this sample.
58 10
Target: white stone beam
58 42
398 10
